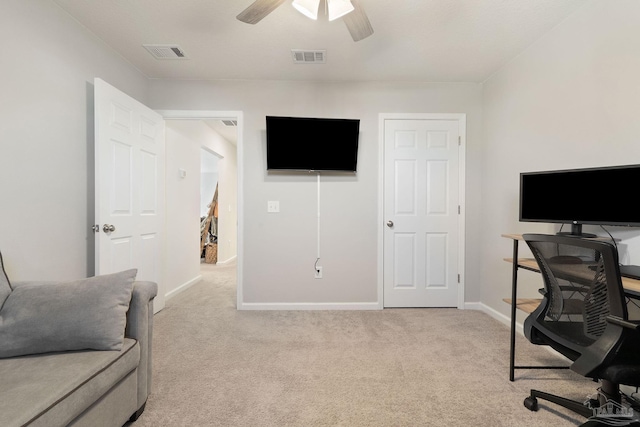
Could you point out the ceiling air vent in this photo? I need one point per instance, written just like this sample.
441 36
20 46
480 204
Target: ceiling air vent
230 122
309 56
165 51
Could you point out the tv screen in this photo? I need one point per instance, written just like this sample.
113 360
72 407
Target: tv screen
312 144
599 196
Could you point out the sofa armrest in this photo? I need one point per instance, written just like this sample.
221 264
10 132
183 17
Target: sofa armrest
140 328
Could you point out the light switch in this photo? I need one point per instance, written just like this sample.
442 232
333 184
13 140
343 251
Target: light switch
273 206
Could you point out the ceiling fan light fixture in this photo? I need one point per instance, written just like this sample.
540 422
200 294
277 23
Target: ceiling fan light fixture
339 8
308 8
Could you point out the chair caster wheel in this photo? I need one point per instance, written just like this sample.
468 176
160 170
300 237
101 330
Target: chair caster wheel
595 403
531 403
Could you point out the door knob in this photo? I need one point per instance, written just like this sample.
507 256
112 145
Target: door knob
108 228
389 224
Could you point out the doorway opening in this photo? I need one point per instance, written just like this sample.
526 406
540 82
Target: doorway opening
204 150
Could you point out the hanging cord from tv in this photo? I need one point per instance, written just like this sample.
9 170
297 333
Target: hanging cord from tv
315 266
614 244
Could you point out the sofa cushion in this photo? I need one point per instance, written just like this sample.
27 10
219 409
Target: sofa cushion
49 317
5 286
55 388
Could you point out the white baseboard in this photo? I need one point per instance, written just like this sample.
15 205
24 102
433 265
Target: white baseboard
495 314
507 321
182 287
310 306
233 258
472 306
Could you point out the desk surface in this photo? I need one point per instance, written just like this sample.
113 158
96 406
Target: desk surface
630 285
519 237
528 305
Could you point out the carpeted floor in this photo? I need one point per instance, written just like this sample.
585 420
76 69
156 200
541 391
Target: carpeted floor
216 366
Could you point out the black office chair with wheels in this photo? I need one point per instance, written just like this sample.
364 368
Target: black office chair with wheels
583 315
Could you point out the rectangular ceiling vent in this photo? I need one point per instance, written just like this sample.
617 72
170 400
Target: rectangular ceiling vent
309 56
165 51
230 122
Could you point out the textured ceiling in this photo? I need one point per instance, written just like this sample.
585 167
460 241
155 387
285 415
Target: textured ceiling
414 40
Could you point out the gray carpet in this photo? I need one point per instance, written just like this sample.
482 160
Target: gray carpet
216 366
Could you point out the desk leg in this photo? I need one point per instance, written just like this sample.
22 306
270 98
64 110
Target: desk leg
514 294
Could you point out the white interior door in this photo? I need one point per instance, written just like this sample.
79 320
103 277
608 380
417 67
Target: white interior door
421 213
129 139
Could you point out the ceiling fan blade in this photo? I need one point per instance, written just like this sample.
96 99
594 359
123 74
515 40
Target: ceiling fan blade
357 22
258 10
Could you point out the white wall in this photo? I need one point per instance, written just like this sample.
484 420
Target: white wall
280 249
571 100
46 138
182 210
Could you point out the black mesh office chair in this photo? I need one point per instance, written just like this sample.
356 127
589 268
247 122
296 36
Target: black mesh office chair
583 315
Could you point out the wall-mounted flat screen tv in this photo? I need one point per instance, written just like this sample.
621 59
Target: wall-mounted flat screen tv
600 196
312 144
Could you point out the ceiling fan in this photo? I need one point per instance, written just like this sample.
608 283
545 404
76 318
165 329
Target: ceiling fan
349 10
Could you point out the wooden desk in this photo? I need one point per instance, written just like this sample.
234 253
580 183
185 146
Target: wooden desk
528 305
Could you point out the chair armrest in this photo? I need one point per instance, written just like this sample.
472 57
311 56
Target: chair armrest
624 323
140 327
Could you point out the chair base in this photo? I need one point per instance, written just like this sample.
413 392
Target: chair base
598 423
531 403
586 409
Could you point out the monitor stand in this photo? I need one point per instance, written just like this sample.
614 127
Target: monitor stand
576 231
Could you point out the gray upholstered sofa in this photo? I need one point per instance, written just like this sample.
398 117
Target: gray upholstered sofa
48 385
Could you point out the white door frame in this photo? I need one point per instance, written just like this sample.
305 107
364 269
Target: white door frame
462 121
230 115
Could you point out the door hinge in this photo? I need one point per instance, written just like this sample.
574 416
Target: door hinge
458 278
459 140
458 209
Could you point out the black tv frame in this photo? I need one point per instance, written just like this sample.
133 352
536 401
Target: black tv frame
593 196
302 133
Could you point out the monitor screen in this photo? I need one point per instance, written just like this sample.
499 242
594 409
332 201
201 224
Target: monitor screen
599 196
312 144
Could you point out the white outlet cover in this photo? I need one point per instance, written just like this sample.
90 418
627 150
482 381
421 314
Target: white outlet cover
273 206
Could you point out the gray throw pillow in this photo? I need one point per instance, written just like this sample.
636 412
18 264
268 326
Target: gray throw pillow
5 286
84 314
